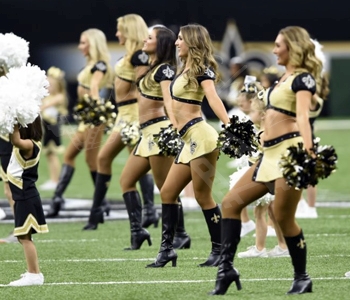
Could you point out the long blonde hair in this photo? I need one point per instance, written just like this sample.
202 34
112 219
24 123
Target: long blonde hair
135 31
200 52
98 49
302 52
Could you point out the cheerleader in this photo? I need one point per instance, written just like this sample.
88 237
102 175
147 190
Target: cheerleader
154 96
131 32
22 174
53 108
14 52
286 124
96 74
263 204
197 158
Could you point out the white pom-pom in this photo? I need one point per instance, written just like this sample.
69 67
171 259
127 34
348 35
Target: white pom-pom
265 200
21 93
14 50
237 176
319 52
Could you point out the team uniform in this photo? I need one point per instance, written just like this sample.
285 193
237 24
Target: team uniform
22 174
147 146
198 136
125 70
5 154
282 99
84 80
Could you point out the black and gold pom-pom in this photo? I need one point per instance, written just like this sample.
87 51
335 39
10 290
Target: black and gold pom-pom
168 141
130 133
238 138
95 112
301 169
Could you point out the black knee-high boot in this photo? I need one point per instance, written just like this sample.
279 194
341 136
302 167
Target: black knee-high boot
181 239
213 219
230 237
97 209
169 222
138 234
297 250
57 201
150 214
105 206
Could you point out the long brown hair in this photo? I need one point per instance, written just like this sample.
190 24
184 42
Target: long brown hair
200 50
165 52
33 131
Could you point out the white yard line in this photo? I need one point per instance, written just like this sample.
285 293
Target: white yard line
103 260
177 281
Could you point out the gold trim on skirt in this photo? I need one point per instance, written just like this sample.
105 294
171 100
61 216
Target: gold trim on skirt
267 168
147 146
199 139
29 217
126 114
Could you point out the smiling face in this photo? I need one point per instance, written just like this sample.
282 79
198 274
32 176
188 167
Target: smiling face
150 44
120 35
281 51
181 46
84 45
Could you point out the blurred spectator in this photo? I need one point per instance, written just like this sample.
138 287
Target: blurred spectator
269 76
238 72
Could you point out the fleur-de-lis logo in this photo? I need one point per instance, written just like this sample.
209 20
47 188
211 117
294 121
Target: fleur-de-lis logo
209 72
215 218
101 66
143 57
193 146
150 144
169 73
301 244
309 81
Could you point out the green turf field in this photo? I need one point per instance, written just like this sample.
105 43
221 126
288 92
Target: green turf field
93 265
334 188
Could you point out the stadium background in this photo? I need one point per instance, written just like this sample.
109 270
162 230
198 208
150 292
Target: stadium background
53 28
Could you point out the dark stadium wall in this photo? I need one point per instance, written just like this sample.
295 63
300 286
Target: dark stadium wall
58 23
